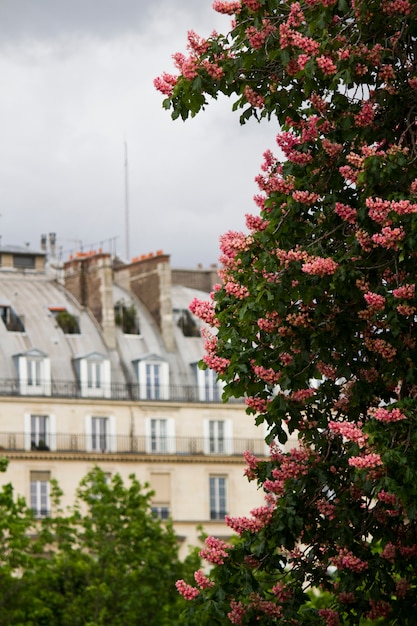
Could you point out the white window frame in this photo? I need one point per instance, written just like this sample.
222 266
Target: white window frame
95 377
40 497
218 497
209 388
161 511
32 432
34 374
153 377
218 436
108 437
160 435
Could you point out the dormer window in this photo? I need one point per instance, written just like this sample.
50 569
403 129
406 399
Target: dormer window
126 318
34 372
67 322
10 319
94 375
153 378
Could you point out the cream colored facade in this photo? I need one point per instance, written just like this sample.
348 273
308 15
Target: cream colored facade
129 402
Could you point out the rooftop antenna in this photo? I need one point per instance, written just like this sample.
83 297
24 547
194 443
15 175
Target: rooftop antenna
127 204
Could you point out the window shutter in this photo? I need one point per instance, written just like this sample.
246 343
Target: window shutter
27 429
88 434
52 431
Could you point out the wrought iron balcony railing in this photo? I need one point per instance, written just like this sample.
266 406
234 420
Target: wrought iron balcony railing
130 444
113 391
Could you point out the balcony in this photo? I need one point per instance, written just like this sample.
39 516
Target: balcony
132 444
115 391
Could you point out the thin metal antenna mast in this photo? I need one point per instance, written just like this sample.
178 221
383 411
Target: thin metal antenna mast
127 205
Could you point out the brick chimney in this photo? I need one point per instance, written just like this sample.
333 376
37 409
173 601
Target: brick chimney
149 278
89 277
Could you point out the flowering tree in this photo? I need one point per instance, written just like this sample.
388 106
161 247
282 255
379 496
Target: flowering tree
315 320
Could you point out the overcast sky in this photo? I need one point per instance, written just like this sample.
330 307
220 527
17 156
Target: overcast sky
76 84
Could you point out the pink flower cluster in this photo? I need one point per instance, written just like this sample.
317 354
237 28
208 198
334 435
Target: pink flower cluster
389 237
237 613
366 115
252 461
258 404
347 560
367 461
294 464
345 212
385 415
261 516
305 197
187 591
255 99
214 362
270 322
332 149
292 38
375 301
326 508
202 580
326 65
385 349
231 243
405 291
395 7
204 310
165 83
269 375
255 223
386 497
302 395
235 289
330 617
227 8
257 37
349 431
290 256
216 552
320 266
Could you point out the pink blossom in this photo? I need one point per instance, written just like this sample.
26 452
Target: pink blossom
305 197
187 591
255 99
320 266
227 8
165 83
347 560
366 115
202 580
258 404
375 301
367 461
389 237
330 617
260 518
349 431
217 550
255 223
269 375
326 65
237 613
405 291
301 395
385 415
347 213
204 310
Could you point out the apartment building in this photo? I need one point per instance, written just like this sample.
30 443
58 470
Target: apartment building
99 366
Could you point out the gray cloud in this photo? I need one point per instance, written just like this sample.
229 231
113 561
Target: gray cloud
77 83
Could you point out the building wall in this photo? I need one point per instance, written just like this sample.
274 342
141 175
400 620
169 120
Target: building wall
189 473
